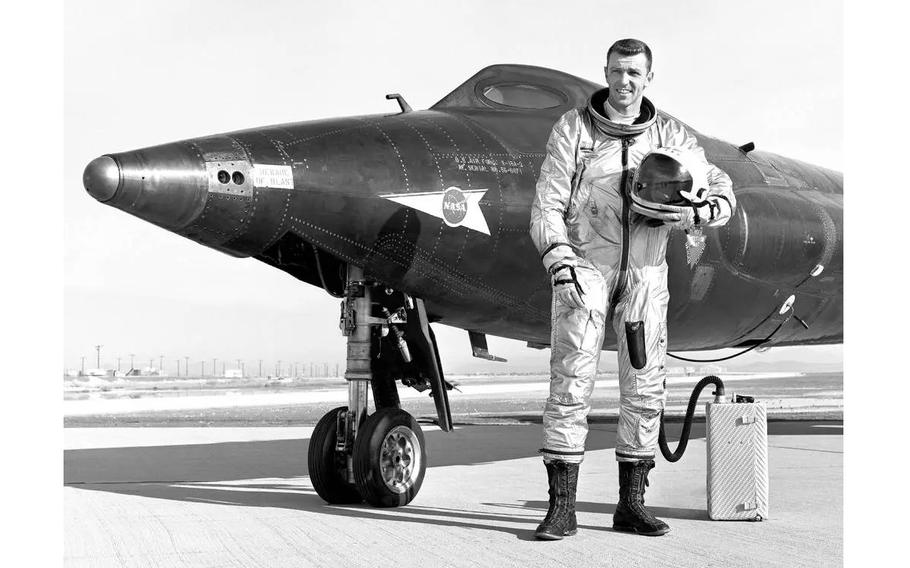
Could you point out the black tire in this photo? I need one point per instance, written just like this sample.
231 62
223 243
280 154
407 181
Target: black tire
327 466
390 458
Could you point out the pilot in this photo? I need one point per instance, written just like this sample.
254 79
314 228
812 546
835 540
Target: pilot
605 250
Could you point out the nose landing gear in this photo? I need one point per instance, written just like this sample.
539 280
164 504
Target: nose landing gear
390 458
380 458
328 467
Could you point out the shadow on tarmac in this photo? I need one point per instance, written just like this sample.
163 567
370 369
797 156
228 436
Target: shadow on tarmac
287 458
610 508
207 473
528 516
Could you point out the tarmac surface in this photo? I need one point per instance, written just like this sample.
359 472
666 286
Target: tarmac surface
220 496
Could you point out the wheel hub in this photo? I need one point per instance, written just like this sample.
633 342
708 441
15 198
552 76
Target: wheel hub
400 459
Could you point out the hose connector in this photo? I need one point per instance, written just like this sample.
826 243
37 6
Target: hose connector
690 413
719 393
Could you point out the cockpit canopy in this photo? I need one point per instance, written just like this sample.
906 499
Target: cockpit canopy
520 88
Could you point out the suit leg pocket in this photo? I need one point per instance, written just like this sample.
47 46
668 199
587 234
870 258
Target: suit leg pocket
635 339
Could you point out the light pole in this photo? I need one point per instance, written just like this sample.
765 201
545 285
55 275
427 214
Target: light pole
82 371
98 357
132 366
215 366
260 367
187 366
178 367
161 363
118 364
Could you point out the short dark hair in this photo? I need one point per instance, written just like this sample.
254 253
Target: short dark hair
628 47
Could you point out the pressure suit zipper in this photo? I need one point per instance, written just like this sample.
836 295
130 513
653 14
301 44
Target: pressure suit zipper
626 214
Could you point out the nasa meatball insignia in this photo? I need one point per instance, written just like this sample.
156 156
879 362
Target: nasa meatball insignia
455 206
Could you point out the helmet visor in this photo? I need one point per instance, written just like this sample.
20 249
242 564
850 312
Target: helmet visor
660 178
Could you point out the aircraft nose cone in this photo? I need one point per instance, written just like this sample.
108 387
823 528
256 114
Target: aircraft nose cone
101 178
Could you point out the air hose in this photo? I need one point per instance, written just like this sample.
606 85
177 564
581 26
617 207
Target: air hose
787 306
743 352
687 424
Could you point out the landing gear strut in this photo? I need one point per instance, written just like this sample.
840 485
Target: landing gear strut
380 458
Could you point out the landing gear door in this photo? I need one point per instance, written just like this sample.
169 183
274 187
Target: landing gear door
419 327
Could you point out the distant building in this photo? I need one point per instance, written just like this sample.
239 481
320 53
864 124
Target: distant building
99 372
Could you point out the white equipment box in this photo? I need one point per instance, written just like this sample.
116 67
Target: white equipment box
737 437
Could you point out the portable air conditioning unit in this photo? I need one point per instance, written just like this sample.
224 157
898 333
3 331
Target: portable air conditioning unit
737 437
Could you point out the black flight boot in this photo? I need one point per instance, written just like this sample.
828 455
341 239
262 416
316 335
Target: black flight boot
630 514
560 519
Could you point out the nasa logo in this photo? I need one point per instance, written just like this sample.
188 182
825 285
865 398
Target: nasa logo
454 206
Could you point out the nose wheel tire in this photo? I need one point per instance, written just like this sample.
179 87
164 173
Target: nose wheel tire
327 466
390 458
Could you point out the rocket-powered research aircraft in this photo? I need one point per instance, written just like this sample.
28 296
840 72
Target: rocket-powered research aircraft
421 217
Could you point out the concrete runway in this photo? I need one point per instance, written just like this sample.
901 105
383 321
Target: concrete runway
242 497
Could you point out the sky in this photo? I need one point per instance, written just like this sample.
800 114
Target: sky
138 74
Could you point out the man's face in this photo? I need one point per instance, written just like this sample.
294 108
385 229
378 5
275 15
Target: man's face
627 77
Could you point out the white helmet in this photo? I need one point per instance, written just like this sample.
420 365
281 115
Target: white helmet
671 176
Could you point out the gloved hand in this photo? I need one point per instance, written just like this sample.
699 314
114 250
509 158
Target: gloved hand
565 284
675 216
656 213
693 216
694 196
700 208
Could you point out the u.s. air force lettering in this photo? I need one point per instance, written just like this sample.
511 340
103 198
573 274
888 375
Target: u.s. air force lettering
455 206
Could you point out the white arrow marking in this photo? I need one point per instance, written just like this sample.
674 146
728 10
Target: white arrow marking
433 202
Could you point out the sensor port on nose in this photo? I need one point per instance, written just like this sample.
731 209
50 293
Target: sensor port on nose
229 177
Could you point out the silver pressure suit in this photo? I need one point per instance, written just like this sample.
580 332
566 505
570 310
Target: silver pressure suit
581 214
